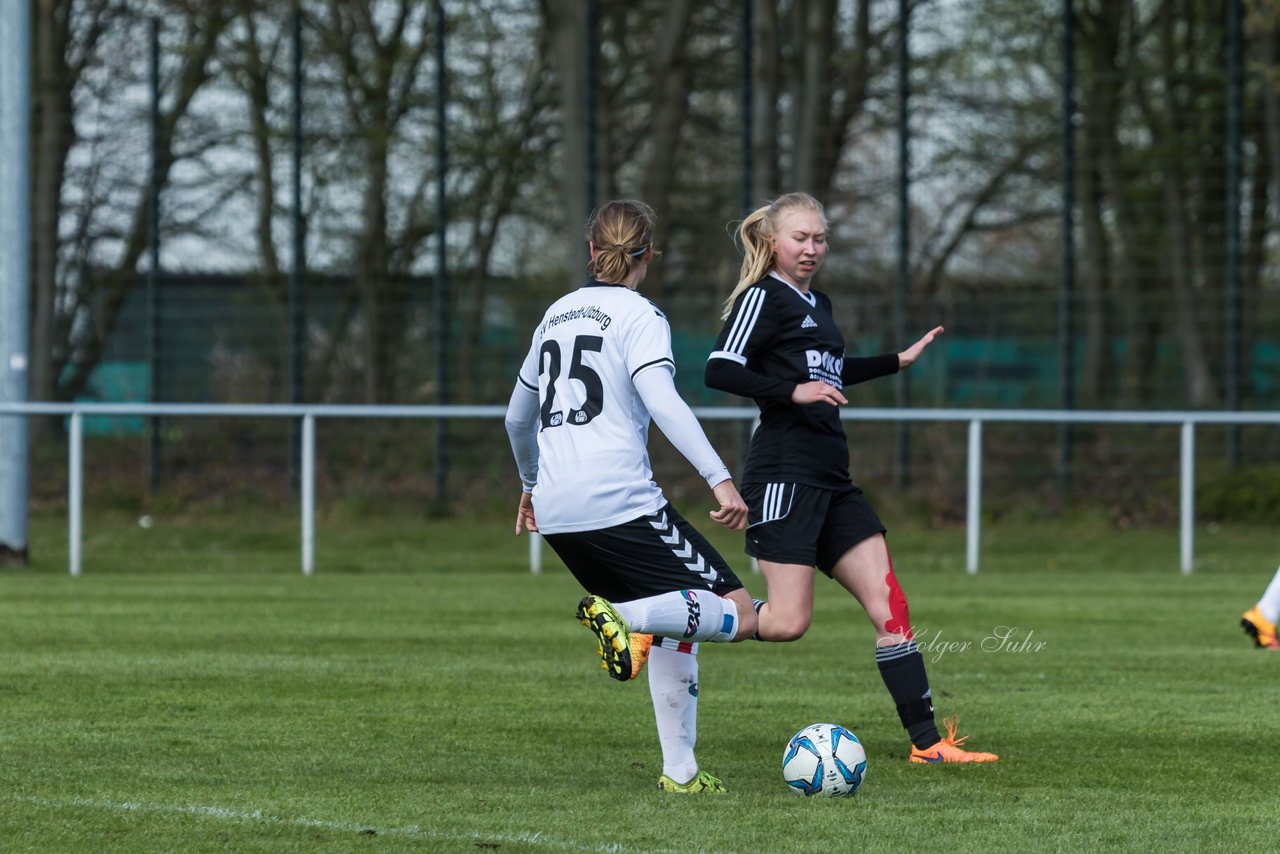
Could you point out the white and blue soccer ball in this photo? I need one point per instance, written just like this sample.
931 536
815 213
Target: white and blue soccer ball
824 760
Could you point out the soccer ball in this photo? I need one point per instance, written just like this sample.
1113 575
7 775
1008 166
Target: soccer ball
824 760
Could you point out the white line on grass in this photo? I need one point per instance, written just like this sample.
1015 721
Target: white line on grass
412 831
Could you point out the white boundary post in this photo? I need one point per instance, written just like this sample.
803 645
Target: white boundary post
75 490
308 493
973 515
535 553
1188 509
16 77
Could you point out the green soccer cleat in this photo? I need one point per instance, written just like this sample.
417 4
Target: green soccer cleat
702 782
622 653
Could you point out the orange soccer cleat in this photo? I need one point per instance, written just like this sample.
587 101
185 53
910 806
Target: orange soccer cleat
948 750
1258 627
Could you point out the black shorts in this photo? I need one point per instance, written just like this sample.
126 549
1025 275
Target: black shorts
644 557
794 523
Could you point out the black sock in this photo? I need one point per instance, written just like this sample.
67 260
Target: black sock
902 669
758 603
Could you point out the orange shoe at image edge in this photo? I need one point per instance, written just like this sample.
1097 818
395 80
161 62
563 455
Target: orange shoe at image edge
948 750
1258 627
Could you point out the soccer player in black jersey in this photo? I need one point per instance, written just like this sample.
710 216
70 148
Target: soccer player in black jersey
781 347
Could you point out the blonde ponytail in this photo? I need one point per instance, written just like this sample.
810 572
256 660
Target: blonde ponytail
622 232
754 235
757 255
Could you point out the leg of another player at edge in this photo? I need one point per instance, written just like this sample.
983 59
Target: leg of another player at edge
1269 604
1259 622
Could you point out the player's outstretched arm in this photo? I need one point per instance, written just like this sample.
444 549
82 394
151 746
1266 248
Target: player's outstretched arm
908 356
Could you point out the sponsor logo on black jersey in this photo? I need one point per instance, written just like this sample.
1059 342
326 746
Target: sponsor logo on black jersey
824 366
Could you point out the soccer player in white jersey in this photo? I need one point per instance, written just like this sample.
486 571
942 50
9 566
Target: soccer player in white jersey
781 347
599 368
1259 622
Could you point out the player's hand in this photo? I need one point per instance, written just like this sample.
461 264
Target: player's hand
818 392
524 515
733 510
908 356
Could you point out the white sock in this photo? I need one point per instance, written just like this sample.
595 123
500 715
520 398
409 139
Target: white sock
1269 604
673 685
692 615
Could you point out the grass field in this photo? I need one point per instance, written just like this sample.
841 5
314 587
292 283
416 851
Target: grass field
192 691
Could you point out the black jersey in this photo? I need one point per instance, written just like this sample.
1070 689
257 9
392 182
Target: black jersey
776 338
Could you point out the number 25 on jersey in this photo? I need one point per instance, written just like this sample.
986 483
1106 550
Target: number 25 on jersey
550 362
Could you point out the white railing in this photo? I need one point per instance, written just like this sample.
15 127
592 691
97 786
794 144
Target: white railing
309 413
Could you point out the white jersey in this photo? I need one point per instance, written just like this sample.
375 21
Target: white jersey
593 459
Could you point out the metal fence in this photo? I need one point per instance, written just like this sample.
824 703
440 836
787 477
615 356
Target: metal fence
296 203
309 415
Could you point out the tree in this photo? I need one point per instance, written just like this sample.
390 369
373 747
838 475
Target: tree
91 212
985 163
379 51
568 42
